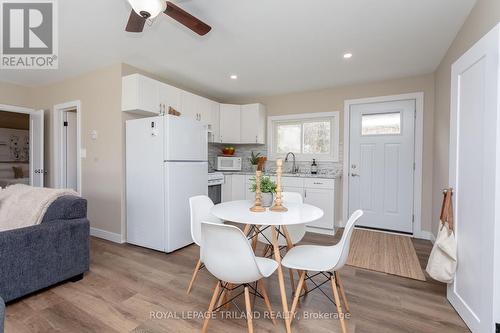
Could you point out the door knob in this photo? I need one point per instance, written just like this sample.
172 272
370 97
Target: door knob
354 174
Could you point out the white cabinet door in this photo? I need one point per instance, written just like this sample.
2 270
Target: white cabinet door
169 96
140 95
189 105
230 115
324 199
253 122
227 188
249 195
214 123
204 110
238 187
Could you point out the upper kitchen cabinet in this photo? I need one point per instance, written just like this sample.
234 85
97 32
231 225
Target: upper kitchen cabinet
242 123
230 116
190 105
253 123
143 95
140 95
169 96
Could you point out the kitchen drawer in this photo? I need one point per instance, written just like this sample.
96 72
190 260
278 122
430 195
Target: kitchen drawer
290 181
319 183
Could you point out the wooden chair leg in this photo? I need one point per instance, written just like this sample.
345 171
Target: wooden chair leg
254 241
196 269
297 294
262 288
337 303
292 281
223 296
266 249
228 296
210 307
342 291
249 310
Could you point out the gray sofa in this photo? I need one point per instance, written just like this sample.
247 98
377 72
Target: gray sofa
2 314
39 256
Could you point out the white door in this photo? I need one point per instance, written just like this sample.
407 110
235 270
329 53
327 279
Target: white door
183 180
381 162
36 149
70 150
474 152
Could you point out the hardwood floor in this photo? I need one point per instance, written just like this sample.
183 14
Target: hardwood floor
132 289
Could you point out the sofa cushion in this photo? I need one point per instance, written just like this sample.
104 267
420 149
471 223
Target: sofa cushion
66 208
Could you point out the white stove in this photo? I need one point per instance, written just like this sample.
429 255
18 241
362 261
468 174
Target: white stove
215 178
215 181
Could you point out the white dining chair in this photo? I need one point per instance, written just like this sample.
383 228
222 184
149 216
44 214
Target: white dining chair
199 207
323 261
228 255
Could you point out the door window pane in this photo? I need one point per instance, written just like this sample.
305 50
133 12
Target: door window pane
317 137
381 124
288 138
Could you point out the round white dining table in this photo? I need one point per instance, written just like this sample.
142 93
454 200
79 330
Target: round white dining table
239 212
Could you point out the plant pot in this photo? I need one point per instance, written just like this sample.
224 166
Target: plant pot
267 199
254 167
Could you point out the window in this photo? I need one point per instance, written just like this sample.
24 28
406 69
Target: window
308 136
381 124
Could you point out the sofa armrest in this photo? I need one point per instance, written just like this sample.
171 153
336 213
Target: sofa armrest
39 256
67 207
2 314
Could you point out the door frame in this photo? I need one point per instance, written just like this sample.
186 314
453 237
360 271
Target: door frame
30 111
57 145
418 155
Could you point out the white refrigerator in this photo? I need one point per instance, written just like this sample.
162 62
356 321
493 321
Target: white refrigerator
166 164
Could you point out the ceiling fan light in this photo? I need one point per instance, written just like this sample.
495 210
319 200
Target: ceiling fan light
148 8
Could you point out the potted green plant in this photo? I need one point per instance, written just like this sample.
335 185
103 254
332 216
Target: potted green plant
267 187
254 160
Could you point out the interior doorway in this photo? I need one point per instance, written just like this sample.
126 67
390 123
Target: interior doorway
67 146
21 146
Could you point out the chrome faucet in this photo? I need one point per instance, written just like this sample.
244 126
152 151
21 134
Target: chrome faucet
294 169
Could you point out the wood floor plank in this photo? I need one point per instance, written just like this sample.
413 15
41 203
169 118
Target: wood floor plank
126 284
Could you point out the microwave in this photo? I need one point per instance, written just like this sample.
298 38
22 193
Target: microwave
226 163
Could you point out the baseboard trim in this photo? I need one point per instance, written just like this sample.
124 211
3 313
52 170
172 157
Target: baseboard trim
107 235
423 234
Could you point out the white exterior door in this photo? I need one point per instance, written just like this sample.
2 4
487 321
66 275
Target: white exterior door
474 175
36 149
381 162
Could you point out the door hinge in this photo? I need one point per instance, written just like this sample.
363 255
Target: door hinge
65 124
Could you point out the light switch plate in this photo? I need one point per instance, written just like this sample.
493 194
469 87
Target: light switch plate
93 135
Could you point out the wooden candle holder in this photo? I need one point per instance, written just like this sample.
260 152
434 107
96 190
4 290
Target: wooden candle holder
278 204
257 207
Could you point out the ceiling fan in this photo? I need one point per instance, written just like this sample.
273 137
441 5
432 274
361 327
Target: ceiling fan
142 10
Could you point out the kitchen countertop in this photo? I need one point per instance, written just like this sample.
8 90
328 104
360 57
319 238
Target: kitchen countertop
328 175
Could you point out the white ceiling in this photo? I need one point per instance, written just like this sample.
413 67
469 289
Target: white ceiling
275 46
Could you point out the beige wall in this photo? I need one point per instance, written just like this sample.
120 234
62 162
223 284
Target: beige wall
483 17
333 100
100 95
11 94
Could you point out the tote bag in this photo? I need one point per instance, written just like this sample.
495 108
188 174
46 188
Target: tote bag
442 263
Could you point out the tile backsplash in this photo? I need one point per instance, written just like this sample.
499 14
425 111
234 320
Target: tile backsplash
244 151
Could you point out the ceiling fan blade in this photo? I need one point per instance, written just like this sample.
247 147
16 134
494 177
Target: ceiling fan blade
135 22
183 17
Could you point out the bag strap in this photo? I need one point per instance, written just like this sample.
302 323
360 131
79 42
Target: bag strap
447 208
